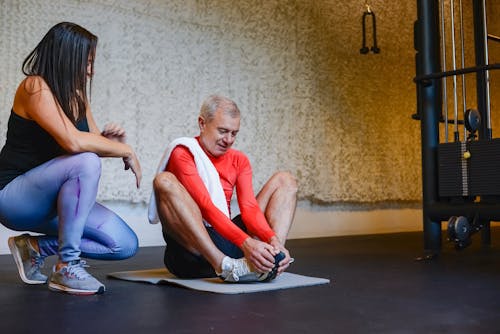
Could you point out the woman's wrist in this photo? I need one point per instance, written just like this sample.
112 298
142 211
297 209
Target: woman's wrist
129 152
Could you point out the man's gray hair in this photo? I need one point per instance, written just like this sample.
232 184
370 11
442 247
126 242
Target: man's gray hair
214 102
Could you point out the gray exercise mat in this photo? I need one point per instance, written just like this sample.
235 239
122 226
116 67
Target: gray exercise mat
216 285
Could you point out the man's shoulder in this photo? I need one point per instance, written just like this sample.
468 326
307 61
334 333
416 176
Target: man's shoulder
236 154
181 152
238 159
182 144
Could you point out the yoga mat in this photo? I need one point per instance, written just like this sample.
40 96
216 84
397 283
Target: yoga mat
216 285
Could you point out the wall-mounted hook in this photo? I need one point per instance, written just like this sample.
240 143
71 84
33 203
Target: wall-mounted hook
374 48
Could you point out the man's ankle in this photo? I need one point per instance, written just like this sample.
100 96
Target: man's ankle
225 264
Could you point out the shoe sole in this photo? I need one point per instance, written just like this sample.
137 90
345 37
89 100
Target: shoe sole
62 288
19 263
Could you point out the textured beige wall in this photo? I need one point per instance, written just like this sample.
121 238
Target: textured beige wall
311 102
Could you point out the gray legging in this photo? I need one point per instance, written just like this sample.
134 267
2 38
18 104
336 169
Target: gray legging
57 199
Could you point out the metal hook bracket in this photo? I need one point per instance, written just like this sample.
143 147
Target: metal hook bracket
374 48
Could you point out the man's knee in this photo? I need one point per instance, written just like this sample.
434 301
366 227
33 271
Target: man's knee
287 181
165 183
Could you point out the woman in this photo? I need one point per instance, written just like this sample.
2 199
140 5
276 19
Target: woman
50 167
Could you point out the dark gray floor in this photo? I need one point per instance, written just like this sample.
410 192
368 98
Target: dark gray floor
377 287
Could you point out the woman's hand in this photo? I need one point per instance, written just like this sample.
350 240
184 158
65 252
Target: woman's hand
114 132
131 162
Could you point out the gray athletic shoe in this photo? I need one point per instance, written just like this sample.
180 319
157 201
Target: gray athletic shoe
27 259
239 271
74 279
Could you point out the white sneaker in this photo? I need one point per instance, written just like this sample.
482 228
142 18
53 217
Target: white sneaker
238 270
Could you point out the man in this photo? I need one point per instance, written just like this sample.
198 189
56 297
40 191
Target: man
191 197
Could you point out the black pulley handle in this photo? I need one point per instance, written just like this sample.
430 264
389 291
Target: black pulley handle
364 49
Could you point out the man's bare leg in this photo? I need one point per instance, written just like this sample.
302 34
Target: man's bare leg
181 218
278 199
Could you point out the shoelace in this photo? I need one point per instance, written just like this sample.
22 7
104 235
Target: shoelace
37 261
240 268
236 278
78 270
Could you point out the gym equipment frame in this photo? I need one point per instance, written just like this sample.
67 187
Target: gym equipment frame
460 179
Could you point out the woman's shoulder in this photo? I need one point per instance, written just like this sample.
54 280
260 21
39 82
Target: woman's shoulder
33 84
29 93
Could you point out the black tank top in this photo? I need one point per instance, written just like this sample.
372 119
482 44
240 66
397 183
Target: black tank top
27 146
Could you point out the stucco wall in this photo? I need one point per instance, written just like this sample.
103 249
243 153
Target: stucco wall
311 103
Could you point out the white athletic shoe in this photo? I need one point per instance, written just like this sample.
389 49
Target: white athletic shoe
238 270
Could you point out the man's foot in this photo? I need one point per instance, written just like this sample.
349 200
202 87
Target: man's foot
238 270
74 279
27 259
274 272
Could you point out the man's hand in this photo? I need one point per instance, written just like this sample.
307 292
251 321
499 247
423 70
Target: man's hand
259 254
278 246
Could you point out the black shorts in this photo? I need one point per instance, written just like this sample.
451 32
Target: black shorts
184 264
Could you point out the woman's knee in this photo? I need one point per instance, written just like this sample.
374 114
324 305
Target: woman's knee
111 248
89 162
123 245
127 247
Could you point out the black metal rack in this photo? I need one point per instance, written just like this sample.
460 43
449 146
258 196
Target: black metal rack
453 182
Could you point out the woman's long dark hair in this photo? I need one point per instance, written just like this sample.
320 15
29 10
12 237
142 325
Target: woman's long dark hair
61 59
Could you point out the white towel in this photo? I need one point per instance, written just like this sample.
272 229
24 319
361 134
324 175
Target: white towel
206 169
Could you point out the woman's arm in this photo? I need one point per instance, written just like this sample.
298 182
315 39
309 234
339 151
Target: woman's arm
91 122
34 100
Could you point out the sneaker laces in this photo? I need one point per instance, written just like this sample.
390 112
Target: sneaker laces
240 268
37 261
77 270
